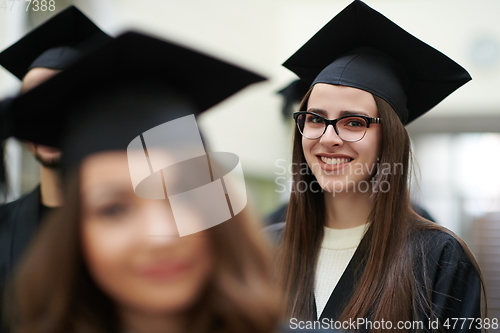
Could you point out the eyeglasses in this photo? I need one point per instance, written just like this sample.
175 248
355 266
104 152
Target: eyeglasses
350 128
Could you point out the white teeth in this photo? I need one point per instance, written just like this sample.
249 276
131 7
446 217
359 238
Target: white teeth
340 160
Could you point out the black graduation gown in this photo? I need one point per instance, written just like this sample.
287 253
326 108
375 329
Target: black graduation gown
18 224
455 281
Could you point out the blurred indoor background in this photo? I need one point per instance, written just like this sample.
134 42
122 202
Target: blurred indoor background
456 145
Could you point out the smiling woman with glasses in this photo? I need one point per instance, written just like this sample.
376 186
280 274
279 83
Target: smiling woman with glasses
352 249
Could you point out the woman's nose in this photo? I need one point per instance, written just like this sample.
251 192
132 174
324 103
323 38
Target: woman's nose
158 222
330 138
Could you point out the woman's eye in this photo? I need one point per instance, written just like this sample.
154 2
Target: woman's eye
355 123
113 210
315 120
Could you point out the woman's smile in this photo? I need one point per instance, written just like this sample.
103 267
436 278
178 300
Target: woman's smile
333 162
165 271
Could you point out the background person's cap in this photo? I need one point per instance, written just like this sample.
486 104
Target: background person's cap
55 44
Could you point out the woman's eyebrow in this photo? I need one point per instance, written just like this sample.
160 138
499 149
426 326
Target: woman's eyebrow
319 111
323 113
349 112
100 193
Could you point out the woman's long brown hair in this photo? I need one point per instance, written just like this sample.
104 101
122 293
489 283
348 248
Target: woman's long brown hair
387 288
54 293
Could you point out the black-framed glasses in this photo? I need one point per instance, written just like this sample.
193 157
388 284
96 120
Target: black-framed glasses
351 128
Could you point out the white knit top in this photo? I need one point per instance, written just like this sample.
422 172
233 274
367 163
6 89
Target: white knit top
337 249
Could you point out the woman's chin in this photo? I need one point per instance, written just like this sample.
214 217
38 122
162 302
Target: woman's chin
346 185
332 187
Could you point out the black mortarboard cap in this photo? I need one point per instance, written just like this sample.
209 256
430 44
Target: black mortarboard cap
55 44
363 49
111 96
293 93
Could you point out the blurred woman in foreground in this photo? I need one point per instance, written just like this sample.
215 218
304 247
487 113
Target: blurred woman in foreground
109 260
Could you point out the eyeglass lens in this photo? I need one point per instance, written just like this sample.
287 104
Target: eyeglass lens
349 129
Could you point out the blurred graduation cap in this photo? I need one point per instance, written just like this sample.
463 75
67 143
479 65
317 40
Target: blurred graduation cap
363 49
111 96
293 93
55 44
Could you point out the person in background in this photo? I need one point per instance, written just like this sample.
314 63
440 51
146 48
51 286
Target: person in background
39 55
352 248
